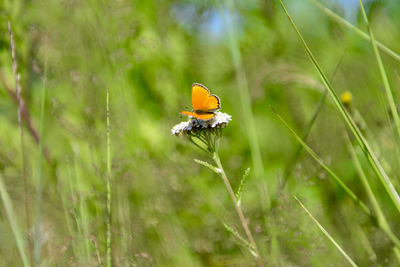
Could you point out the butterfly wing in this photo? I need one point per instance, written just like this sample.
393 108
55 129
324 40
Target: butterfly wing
203 117
202 100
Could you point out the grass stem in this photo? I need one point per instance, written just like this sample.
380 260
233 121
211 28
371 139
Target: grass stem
21 106
38 219
356 30
369 154
347 257
382 222
13 221
109 252
382 70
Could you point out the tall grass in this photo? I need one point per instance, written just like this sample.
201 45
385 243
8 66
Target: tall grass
372 159
335 17
39 181
21 107
350 261
141 202
13 222
380 216
382 70
109 218
362 142
326 168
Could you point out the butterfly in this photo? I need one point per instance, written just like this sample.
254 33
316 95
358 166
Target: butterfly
204 104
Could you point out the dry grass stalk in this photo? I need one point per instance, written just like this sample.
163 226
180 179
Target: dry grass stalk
21 107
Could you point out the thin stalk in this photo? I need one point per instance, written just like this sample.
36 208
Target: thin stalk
347 257
382 70
289 169
382 222
38 222
66 211
359 32
372 159
109 252
365 243
20 102
13 221
237 208
325 167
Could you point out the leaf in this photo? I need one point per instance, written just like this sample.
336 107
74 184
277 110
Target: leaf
208 165
241 239
241 186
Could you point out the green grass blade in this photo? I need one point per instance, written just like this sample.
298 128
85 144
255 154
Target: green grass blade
13 221
382 70
292 162
382 222
290 166
372 159
347 257
38 221
325 167
356 30
109 252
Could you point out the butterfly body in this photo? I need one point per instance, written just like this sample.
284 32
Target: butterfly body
204 104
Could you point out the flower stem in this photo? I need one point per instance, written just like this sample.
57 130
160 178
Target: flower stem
109 252
237 207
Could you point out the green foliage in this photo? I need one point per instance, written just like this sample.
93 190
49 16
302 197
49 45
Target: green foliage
165 209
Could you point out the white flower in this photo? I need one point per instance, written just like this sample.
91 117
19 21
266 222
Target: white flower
220 120
181 127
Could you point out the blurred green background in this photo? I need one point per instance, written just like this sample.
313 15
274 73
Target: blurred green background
166 209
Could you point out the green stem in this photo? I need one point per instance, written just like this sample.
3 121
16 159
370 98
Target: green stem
237 207
13 221
38 224
382 222
356 30
352 263
382 70
109 255
372 159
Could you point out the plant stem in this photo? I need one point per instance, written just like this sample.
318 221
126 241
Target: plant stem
21 106
237 207
109 255
9 210
39 186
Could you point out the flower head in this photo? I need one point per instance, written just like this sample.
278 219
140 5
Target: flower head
347 99
220 120
206 131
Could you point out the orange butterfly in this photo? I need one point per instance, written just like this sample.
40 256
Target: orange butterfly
204 104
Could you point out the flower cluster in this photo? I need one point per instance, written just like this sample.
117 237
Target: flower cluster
205 131
220 120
